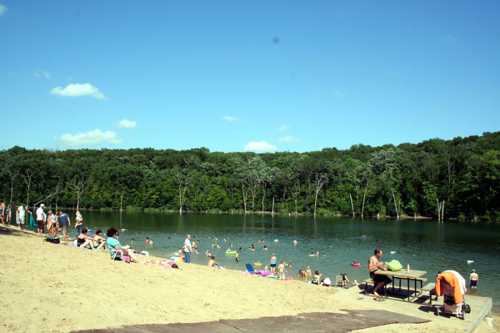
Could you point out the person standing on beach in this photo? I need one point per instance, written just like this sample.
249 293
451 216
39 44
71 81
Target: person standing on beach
30 219
473 279
78 222
272 263
2 212
40 219
187 249
21 216
64 223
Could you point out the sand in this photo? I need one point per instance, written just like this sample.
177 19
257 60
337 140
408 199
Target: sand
56 288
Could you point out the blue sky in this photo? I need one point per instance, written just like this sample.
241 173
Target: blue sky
254 75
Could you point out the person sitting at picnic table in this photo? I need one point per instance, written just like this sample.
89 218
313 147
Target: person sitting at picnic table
375 264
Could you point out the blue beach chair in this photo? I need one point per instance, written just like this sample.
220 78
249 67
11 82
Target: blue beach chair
250 269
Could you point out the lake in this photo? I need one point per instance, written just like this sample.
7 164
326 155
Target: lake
424 245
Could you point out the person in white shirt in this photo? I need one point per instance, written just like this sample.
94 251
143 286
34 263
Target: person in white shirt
41 217
78 222
21 215
187 249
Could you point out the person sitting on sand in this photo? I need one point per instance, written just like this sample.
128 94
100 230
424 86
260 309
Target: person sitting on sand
316 278
327 282
99 242
212 263
473 279
374 265
117 251
309 273
84 240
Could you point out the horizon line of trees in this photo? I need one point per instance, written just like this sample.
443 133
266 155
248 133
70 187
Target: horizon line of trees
458 178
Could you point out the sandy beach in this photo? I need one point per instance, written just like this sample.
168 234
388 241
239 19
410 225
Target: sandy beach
56 288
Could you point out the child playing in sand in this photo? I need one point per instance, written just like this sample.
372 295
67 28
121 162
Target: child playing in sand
345 280
316 278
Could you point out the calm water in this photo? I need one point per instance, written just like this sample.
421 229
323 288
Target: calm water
424 245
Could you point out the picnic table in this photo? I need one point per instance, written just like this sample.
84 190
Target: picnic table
410 276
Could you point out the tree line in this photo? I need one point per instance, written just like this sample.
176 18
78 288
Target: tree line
458 178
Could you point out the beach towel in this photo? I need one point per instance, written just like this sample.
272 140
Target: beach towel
454 280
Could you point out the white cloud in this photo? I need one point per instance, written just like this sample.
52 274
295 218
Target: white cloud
283 128
230 119
260 147
42 75
77 90
126 123
3 9
289 139
89 138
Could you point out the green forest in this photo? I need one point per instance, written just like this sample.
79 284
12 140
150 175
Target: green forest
442 179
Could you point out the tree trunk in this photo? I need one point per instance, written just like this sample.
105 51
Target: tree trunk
121 202
315 202
244 197
395 205
263 198
442 211
11 190
352 206
363 204
296 211
272 209
180 200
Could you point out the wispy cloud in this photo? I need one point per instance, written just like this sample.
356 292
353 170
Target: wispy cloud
126 123
93 137
3 9
283 128
260 147
78 90
42 75
229 119
289 139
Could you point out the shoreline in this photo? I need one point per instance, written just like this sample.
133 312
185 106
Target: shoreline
38 277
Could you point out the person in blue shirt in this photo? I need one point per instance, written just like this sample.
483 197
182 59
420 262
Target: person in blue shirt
116 250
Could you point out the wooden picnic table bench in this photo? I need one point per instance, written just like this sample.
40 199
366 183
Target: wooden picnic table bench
414 277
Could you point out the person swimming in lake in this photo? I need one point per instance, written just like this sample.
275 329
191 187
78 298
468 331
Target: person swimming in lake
314 254
252 247
265 248
148 242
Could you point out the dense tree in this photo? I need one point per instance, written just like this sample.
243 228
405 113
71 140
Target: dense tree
458 178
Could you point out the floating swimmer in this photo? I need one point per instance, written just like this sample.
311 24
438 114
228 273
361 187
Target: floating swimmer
392 252
276 240
470 262
295 242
